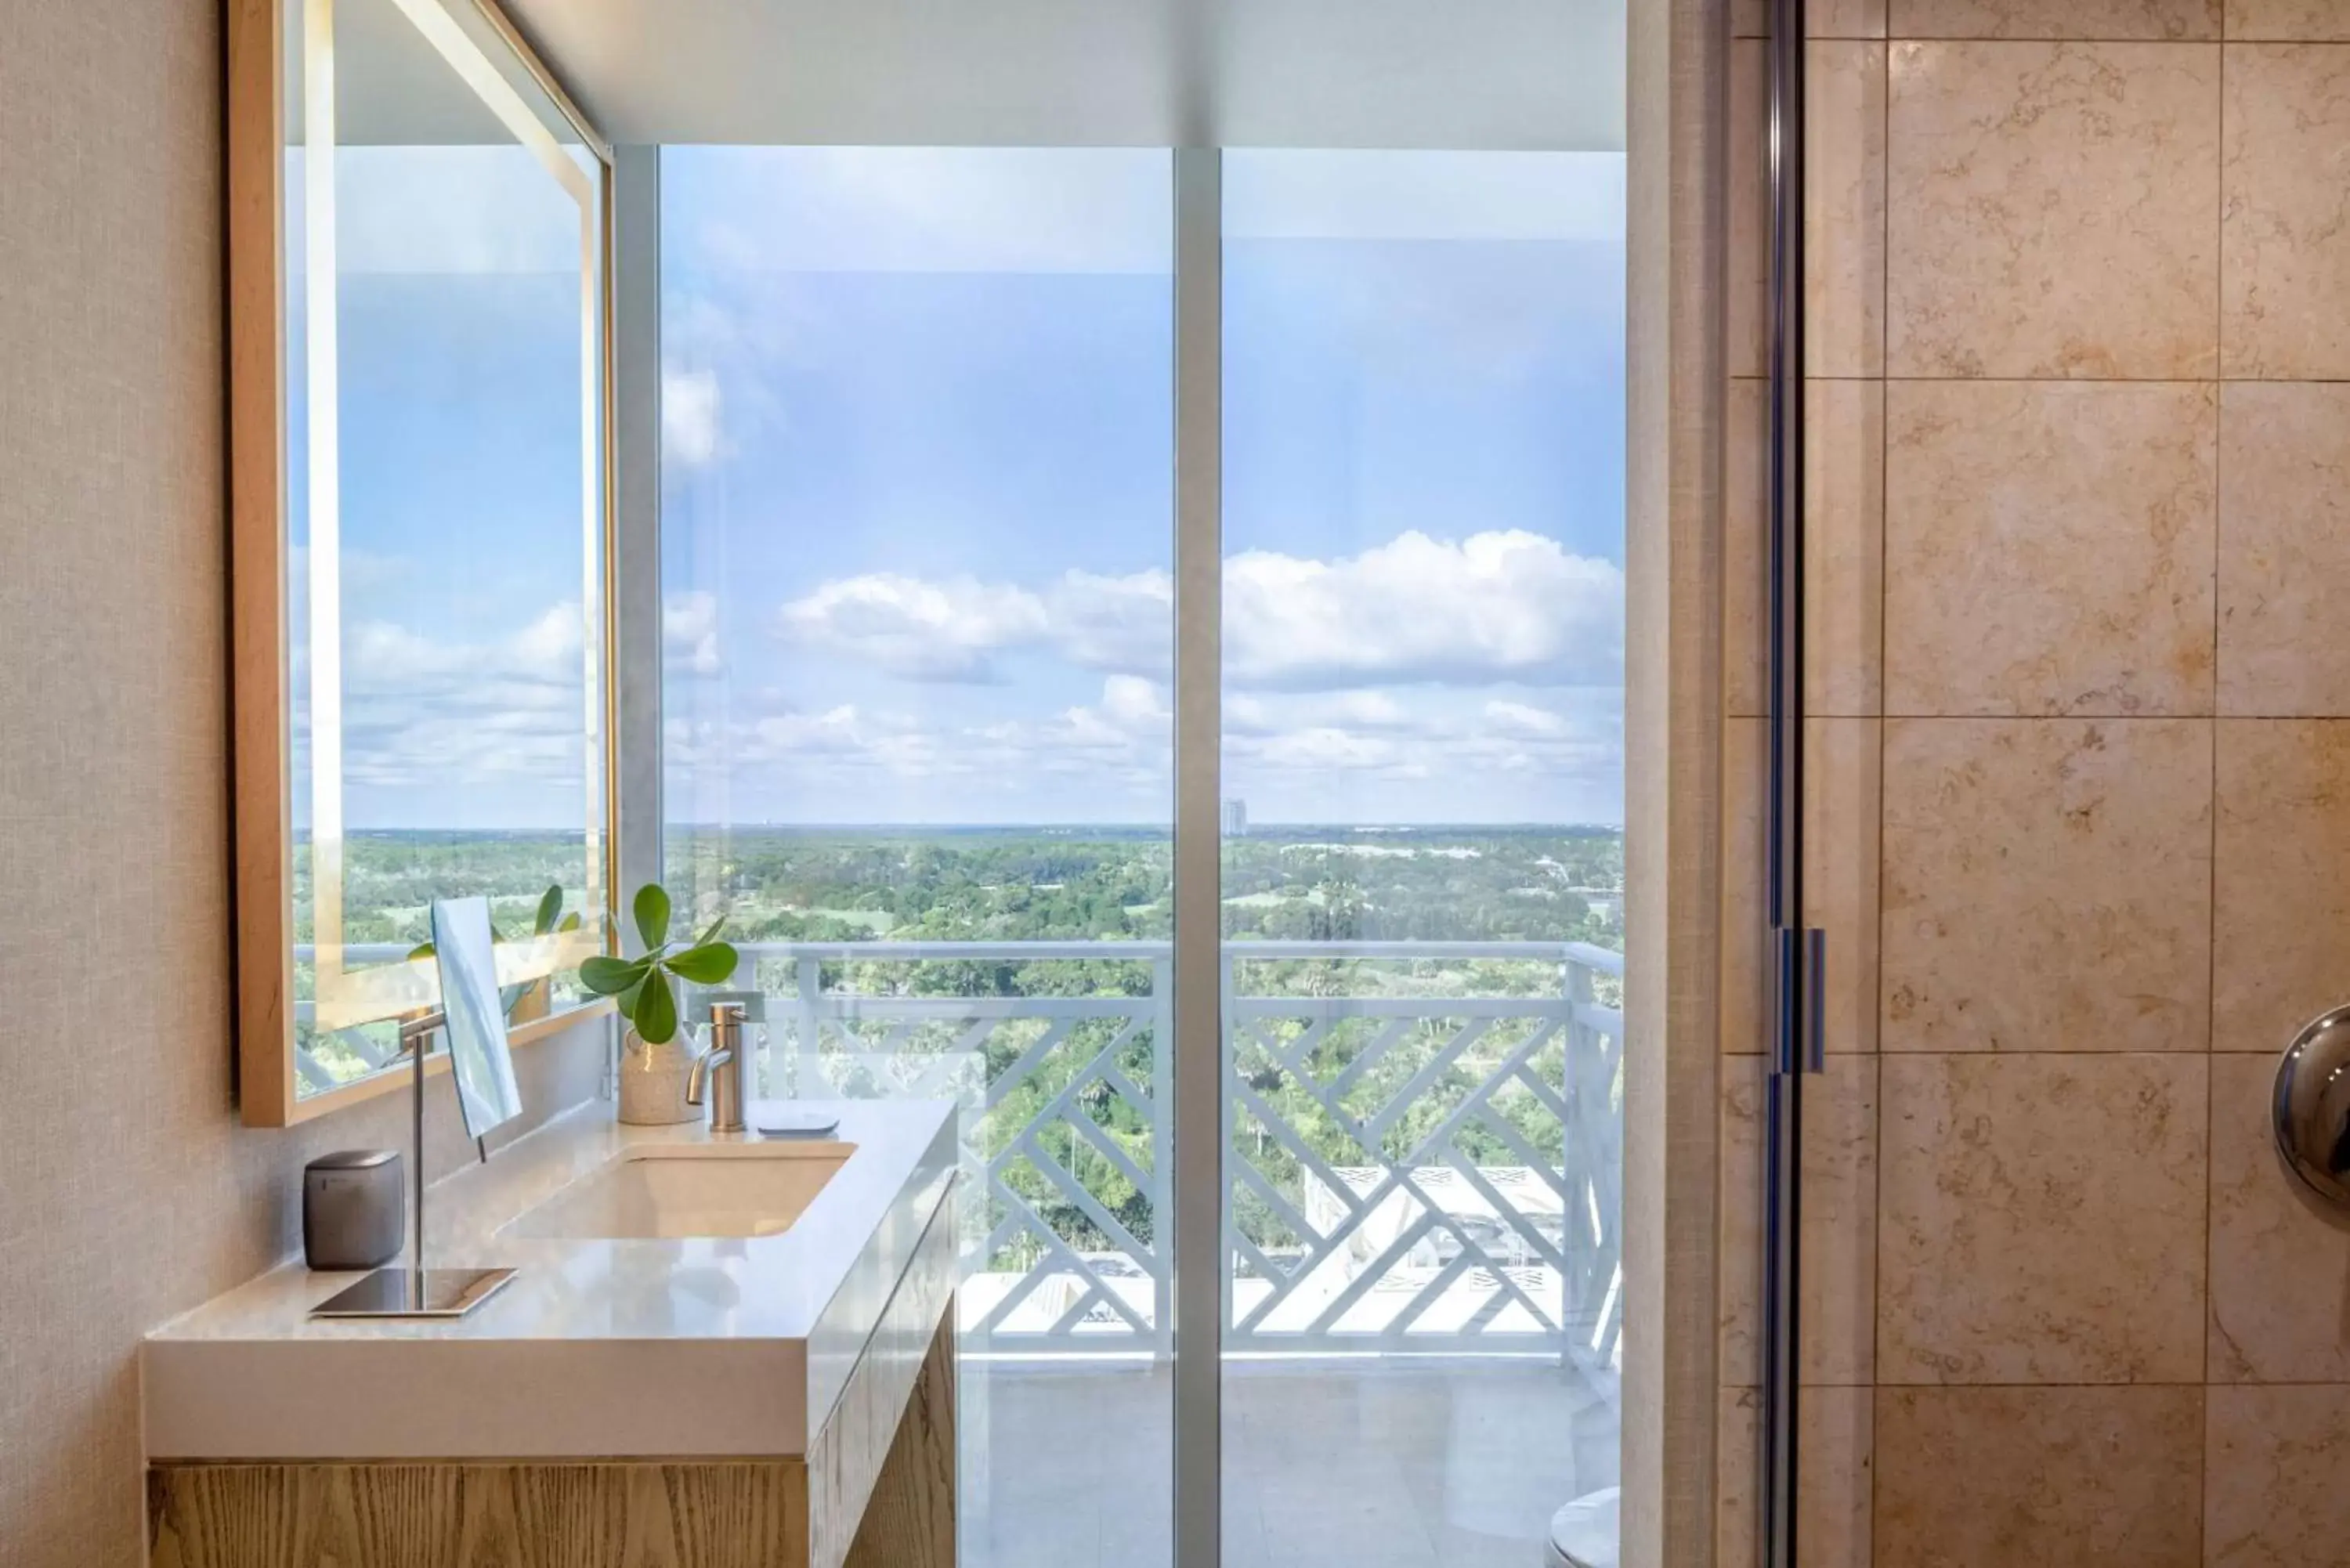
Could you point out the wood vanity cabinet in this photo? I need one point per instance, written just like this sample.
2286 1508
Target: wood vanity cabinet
877 1489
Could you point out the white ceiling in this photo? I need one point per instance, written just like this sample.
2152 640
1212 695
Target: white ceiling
1497 74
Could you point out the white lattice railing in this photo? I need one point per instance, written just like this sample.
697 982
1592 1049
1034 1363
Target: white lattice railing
1424 1155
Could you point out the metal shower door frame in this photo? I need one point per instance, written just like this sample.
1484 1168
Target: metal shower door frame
1797 962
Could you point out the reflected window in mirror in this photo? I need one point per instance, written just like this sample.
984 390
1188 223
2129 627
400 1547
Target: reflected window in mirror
420 556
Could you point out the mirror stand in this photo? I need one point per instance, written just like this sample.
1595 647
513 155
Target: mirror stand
410 1289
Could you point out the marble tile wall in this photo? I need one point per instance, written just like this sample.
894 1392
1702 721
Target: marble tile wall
2079 448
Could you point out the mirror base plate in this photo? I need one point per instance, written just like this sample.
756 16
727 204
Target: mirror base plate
415 1292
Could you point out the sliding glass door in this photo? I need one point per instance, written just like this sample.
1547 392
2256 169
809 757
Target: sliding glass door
925 425
917 542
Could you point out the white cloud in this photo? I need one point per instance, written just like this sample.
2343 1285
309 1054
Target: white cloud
690 633
548 648
1246 716
692 433
1133 704
1324 748
1123 740
1493 606
1369 711
1114 623
921 630
1334 751
425 710
1526 720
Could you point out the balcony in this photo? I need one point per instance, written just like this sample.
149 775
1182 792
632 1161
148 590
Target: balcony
1422 1297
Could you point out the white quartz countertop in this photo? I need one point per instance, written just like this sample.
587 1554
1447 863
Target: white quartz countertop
597 1348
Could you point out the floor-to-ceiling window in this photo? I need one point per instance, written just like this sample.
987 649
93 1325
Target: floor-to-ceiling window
919 554
1423 866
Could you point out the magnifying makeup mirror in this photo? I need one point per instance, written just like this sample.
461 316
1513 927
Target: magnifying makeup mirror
480 1058
481 1062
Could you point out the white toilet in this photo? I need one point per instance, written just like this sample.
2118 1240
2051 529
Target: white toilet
1583 1533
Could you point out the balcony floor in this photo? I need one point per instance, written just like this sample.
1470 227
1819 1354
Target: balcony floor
1328 1465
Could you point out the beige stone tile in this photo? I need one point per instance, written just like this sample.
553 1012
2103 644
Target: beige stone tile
2273 1489
1841 773
2051 210
1833 1485
1844 214
2041 1219
2285 548
1745 548
1821 19
1747 274
1844 208
2280 879
2065 1477
2285 226
2280 1275
2175 20
2047 884
2048 547
1844 554
1744 761
2298 20
1839 1225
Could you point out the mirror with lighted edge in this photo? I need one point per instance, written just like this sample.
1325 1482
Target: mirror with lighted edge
420 392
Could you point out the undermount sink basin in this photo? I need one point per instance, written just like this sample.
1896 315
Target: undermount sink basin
699 1191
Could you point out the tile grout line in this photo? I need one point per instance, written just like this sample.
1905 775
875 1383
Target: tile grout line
1884 688
2211 863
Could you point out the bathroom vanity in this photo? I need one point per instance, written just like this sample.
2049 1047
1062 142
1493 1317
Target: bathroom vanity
718 1352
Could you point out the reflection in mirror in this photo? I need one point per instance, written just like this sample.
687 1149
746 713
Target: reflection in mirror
438 533
475 1014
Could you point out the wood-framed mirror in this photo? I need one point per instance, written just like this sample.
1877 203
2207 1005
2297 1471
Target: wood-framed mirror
421 419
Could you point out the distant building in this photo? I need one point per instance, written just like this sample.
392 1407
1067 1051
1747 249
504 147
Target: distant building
1235 818
1606 905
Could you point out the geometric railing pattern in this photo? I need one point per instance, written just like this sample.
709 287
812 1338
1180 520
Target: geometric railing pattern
1405 1170
1063 1249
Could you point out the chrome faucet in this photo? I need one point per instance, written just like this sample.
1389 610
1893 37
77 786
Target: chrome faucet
722 1066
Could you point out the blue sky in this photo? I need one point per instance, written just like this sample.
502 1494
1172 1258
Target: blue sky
461 515
918 496
918 486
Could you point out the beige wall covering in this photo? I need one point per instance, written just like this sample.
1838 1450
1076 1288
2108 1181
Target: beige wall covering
128 1191
1674 736
2080 280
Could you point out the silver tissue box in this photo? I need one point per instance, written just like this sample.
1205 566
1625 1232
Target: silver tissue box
353 1210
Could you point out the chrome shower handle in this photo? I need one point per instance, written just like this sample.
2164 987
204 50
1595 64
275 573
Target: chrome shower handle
2310 1114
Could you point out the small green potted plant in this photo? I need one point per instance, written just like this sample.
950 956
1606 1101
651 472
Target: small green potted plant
654 1066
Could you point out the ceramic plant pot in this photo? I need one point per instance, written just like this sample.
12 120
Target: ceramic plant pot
652 1082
